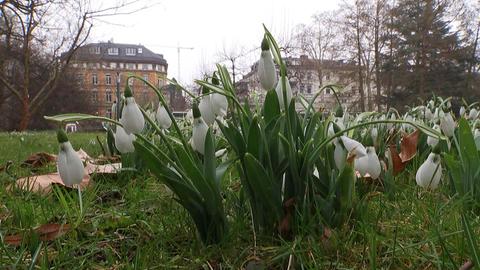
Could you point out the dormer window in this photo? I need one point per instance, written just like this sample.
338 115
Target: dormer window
95 50
113 51
139 50
130 51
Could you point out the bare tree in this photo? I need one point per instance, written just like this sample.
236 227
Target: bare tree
45 27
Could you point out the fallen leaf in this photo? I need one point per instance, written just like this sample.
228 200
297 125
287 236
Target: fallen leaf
408 146
103 169
83 155
398 165
39 159
46 232
43 183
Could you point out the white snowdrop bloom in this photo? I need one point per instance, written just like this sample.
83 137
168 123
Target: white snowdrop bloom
162 117
69 165
199 131
392 117
462 111
476 137
447 124
124 141
433 141
206 108
374 134
220 104
428 114
473 114
430 172
354 146
369 164
132 117
267 73
339 155
279 90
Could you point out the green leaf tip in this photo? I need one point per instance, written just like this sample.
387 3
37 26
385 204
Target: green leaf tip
215 80
61 136
265 46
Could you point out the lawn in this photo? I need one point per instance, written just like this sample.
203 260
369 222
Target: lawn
132 222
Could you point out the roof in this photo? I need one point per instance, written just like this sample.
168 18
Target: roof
144 55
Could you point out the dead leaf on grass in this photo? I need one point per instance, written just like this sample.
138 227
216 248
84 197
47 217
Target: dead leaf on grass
408 146
39 159
43 183
46 232
398 165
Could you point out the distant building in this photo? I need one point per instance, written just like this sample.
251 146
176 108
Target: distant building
306 77
98 66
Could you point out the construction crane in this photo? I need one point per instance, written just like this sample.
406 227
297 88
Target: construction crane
179 48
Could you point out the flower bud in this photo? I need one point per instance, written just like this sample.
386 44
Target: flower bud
447 124
430 172
132 117
162 117
199 131
69 165
267 73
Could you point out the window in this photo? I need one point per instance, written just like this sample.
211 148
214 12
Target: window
139 50
160 82
109 113
328 90
108 95
121 65
94 95
94 50
130 51
130 66
147 66
145 77
108 79
145 95
302 88
309 88
113 51
94 79
113 65
327 76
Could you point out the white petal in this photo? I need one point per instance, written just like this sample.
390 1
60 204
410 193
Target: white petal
124 141
430 172
69 165
206 110
354 146
132 118
339 156
199 133
267 73
162 117
220 104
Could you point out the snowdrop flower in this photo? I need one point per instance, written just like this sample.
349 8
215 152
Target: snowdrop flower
124 141
69 164
473 114
430 172
462 111
476 137
428 114
206 108
267 73
374 134
279 90
369 164
354 146
162 117
219 101
392 117
132 117
339 155
447 124
199 131
433 141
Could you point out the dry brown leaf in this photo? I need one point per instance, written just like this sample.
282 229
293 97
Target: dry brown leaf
398 165
43 183
103 169
408 146
46 232
39 159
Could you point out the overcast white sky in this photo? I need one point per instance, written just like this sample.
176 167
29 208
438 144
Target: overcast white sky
208 26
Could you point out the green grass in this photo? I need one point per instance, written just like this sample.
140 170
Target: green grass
132 222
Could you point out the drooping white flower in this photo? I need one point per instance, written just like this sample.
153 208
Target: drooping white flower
220 104
69 165
339 155
374 134
462 111
428 114
354 146
132 117
124 141
279 91
476 137
392 117
369 164
433 141
206 108
447 124
267 73
473 114
430 172
199 131
162 117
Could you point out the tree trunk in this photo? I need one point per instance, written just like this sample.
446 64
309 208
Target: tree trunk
377 56
359 64
25 119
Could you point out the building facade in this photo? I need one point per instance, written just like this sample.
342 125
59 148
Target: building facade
98 68
306 77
